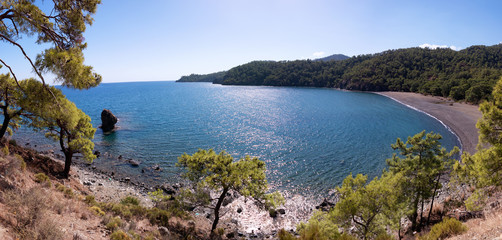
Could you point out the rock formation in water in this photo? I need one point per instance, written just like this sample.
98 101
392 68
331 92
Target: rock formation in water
108 120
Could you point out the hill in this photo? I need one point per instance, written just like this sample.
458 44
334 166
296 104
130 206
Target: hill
217 76
334 57
468 74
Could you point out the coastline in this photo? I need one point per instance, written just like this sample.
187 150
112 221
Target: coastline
460 118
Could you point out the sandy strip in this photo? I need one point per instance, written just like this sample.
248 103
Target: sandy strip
459 117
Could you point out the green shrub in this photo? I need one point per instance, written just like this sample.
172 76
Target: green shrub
68 192
42 178
159 196
113 223
90 200
285 235
119 235
5 150
384 236
447 228
13 142
130 200
97 210
158 216
319 226
60 187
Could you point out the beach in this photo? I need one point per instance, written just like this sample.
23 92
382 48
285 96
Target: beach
461 118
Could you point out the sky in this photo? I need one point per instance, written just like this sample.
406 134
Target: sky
158 40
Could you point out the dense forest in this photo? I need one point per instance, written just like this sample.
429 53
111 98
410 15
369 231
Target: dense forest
212 77
468 74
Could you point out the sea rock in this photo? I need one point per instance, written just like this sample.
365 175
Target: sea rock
108 120
325 205
133 163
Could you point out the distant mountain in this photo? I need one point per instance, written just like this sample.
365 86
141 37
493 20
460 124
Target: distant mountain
211 77
334 57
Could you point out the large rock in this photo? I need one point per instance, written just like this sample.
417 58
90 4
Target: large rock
108 120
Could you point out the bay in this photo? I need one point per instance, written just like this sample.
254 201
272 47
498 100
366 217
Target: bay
310 138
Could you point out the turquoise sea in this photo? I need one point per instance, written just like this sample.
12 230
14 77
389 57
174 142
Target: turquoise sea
310 138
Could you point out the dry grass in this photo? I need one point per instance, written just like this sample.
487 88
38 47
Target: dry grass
488 228
29 211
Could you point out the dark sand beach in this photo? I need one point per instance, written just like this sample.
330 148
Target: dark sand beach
459 117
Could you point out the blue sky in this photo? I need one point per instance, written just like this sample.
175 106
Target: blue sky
163 40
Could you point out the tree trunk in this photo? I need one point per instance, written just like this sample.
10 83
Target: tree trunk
5 124
217 210
433 197
68 155
414 216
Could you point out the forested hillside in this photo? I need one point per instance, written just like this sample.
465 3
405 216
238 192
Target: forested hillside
212 77
468 74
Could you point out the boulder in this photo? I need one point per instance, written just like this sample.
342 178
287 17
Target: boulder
108 120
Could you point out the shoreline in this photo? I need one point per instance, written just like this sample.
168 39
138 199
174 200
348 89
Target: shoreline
460 118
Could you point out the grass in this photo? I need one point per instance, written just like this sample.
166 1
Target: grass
29 209
42 178
447 228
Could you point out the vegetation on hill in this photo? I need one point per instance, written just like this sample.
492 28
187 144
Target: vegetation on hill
211 77
468 74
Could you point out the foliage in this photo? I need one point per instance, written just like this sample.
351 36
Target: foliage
218 172
484 168
61 120
42 178
9 103
367 206
62 28
467 74
97 210
319 226
158 196
274 200
447 228
422 166
130 200
119 235
212 77
113 223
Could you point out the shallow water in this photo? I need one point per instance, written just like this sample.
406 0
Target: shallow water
310 138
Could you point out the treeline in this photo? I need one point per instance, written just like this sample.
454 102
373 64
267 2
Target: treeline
469 74
212 77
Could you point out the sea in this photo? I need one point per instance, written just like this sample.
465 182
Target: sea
309 138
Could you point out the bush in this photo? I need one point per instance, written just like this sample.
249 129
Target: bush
68 192
130 200
90 200
5 150
42 178
158 216
285 235
119 235
13 142
447 228
113 223
97 210
60 187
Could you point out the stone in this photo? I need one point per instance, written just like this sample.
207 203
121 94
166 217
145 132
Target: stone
281 211
164 232
133 163
108 120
